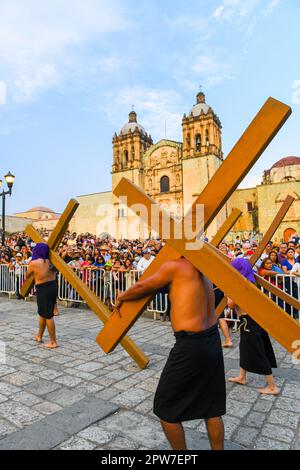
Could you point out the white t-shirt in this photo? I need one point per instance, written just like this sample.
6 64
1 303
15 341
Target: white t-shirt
144 263
295 268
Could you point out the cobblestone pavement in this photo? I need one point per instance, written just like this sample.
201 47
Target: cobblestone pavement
76 397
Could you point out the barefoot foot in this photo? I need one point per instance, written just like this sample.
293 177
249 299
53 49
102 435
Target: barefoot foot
237 380
38 339
269 390
51 345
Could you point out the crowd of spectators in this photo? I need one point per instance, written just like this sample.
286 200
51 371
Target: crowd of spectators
86 252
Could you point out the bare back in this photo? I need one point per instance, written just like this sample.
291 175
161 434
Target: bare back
192 298
42 271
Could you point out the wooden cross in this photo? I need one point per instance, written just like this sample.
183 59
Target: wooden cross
90 298
258 252
242 157
272 318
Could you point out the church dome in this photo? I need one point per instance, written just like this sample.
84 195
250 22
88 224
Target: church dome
132 124
40 209
286 161
200 106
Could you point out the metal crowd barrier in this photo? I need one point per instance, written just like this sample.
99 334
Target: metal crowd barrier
7 280
107 285
290 284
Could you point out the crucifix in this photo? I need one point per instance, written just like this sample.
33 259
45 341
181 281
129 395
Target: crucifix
245 153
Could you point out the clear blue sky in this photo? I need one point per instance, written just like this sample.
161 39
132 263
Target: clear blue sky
70 71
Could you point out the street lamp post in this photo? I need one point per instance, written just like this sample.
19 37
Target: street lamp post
9 178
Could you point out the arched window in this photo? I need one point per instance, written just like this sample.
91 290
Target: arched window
288 178
188 140
206 138
164 184
198 143
125 157
132 152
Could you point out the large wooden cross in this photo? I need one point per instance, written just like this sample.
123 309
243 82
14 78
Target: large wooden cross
247 150
90 298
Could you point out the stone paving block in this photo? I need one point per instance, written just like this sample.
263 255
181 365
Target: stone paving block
278 433
81 375
68 380
41 387
285 418
145 407
119 374
120 443
262 406
105 381
88 388
8 389
19 378
243 394
107 393
149 384
6 428
193 424
264 443
97 435
47 408
141 429
3 398
49 374
18 414
27 398
288 404
236 408
245 436
76 443
255 419
230 425
291 391
64 396
131 398
5 370
89 366
125 384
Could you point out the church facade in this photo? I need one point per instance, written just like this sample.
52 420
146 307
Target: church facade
174 174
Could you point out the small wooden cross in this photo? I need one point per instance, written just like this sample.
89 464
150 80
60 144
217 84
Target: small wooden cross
90 298
258 252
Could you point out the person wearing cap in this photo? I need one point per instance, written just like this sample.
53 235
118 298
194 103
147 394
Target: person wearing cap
46 291
16 266
145 261
108 284
104 252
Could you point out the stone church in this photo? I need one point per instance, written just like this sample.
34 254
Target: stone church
174 174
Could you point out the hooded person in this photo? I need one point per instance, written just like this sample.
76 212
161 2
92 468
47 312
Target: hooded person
46 291
256 351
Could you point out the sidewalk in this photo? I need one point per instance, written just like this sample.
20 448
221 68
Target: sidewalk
76 397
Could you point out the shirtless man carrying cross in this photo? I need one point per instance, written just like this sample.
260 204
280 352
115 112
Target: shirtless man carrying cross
192 384
45 283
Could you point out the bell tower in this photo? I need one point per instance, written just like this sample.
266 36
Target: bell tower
128 149
201 150
130 145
